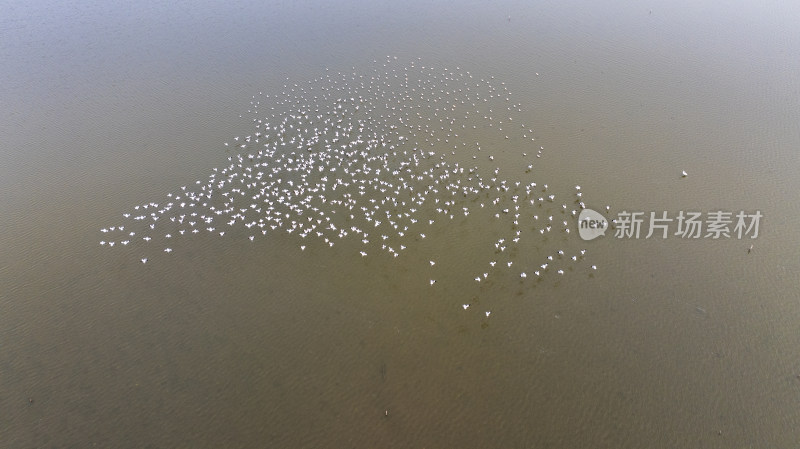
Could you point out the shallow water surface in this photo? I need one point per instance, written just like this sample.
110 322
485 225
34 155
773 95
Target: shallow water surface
228 341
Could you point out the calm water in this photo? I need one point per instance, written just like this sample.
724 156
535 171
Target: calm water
231 343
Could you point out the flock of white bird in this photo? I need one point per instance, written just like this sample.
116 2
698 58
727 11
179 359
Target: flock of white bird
375 159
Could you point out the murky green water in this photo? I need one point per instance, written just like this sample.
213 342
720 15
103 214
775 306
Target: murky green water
232 343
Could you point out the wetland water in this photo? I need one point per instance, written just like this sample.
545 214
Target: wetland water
349 156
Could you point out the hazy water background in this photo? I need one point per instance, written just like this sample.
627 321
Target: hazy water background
671 344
